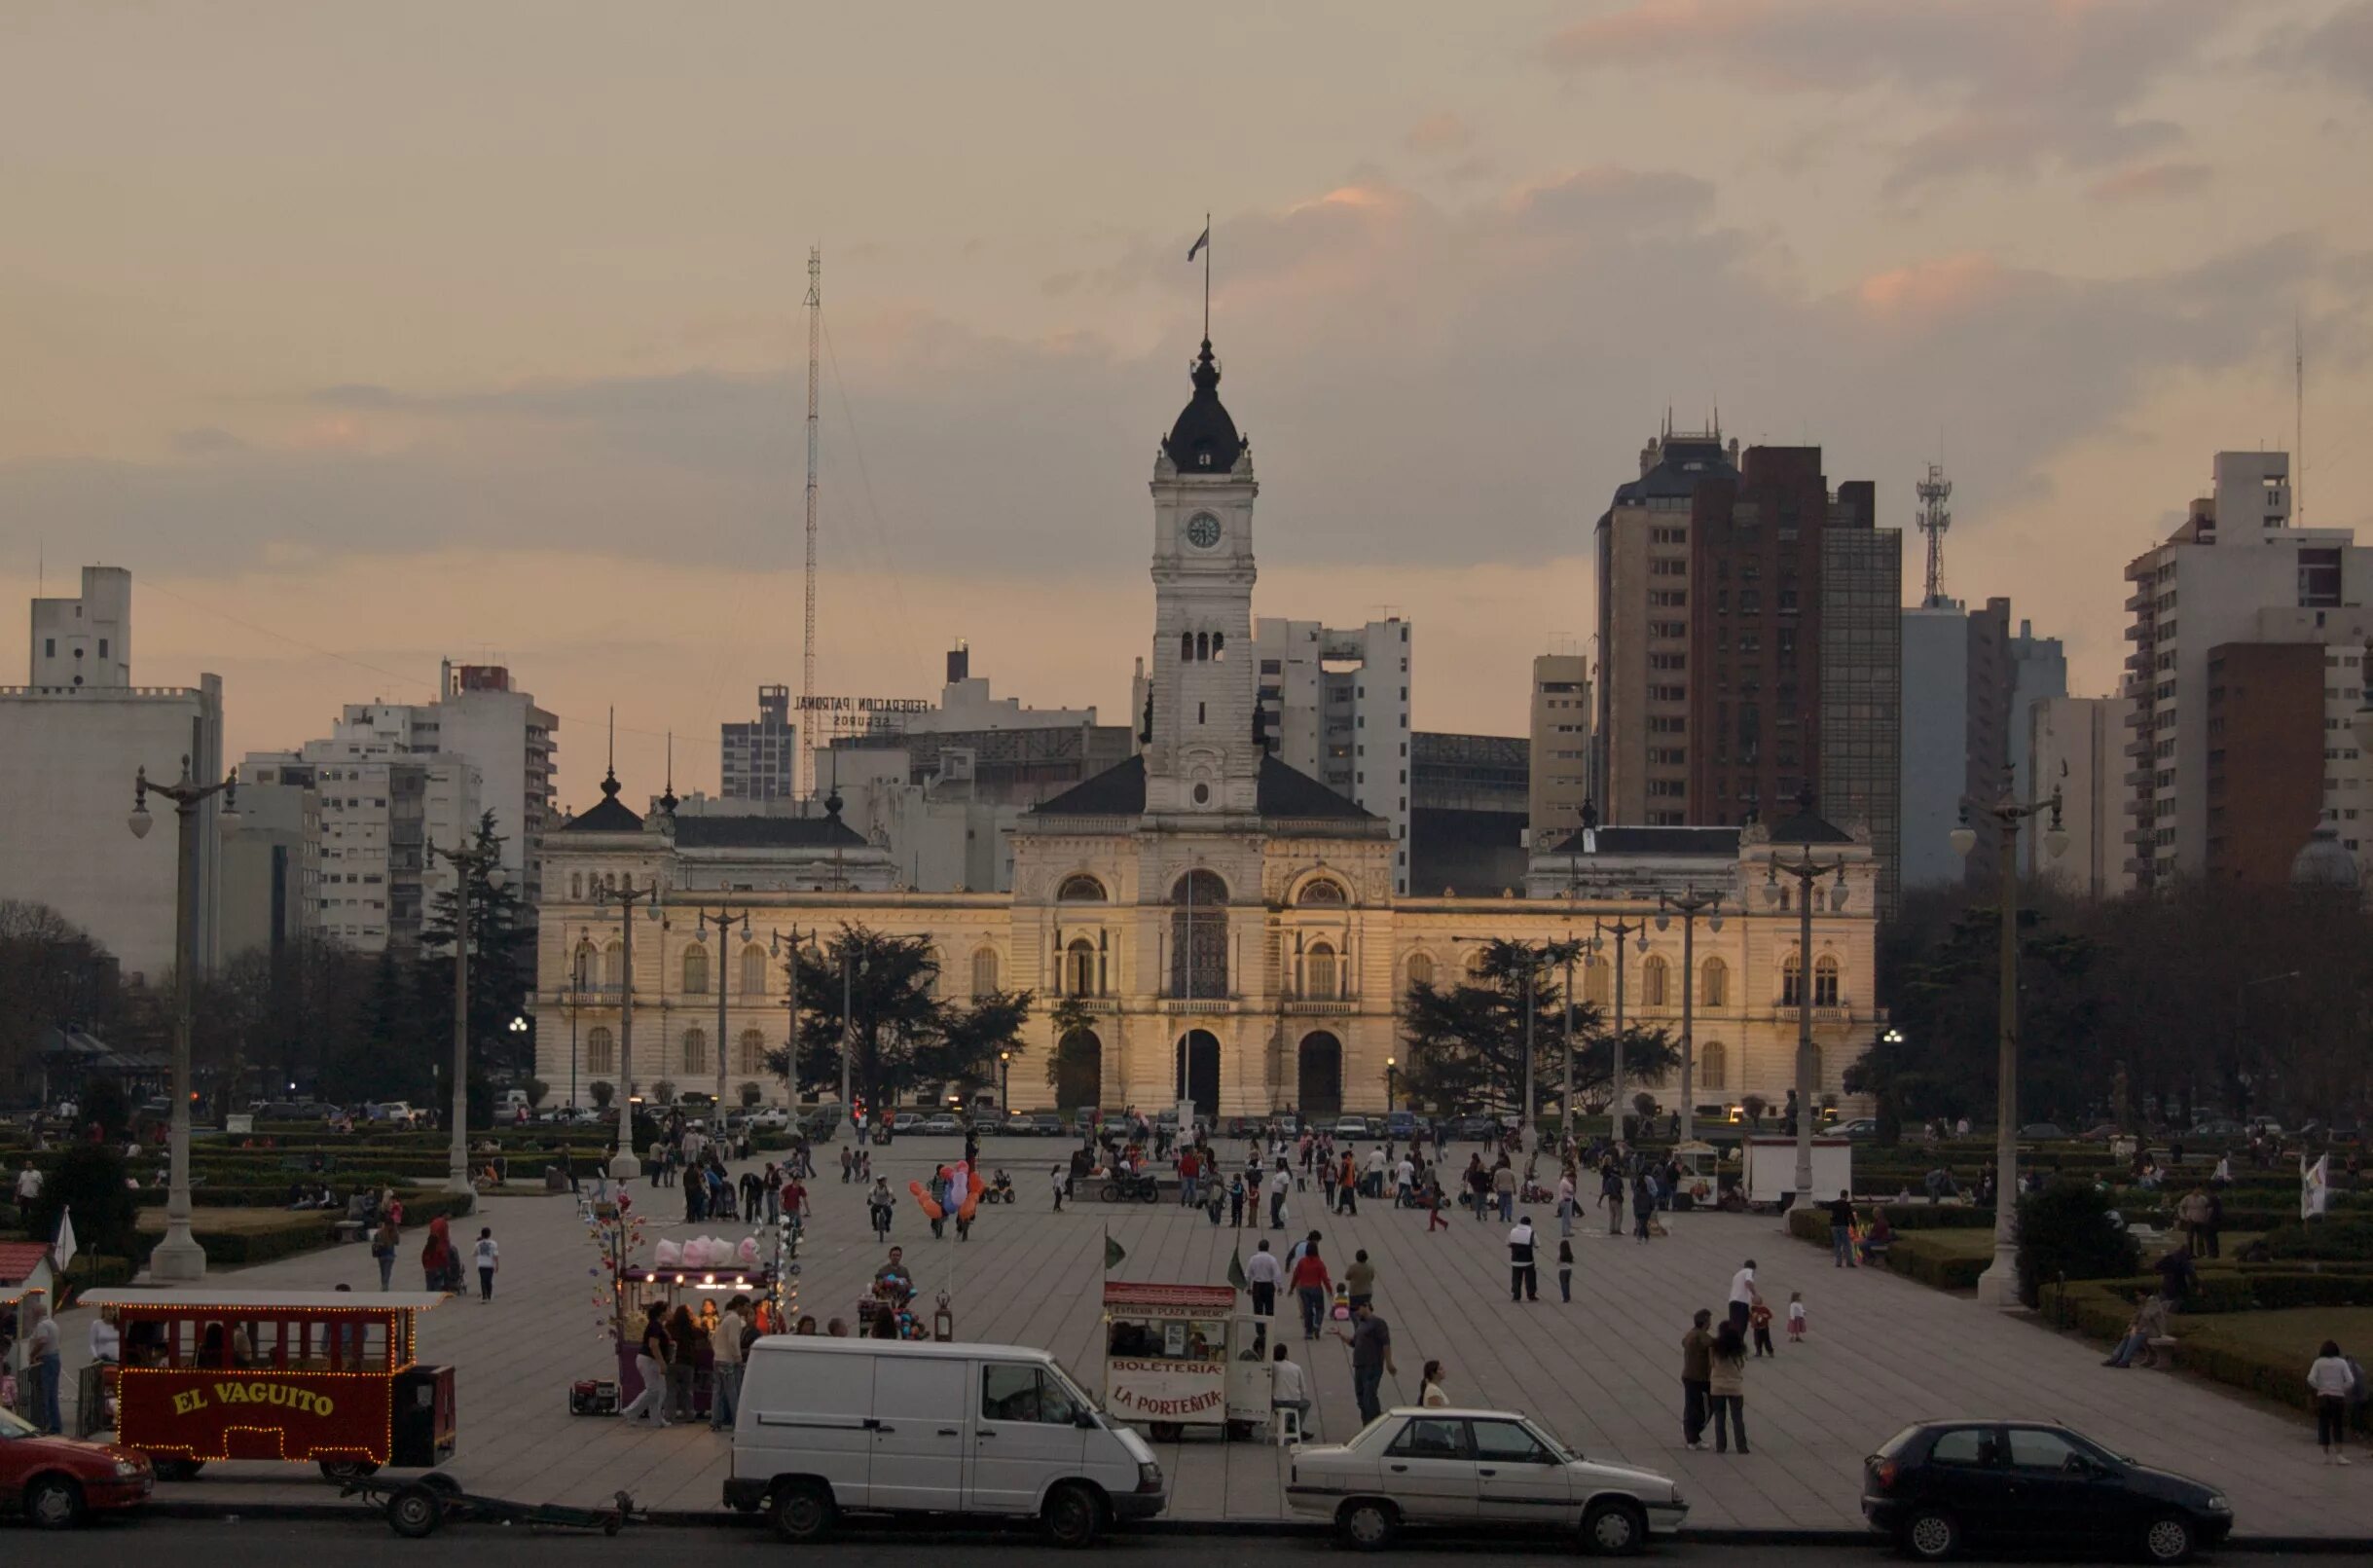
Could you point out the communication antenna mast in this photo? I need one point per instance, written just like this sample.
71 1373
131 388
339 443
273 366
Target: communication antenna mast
2298 425
807 657
1934 520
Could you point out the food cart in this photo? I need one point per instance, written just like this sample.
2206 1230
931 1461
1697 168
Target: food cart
1180 1355
329 1377
637 1289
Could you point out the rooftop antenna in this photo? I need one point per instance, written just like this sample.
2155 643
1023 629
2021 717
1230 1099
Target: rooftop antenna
612 762
2298 427
1934 520
807 653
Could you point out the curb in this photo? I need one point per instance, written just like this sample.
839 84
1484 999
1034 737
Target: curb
724 1519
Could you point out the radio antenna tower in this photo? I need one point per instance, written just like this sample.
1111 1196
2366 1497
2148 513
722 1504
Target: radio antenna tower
1934 520
807 656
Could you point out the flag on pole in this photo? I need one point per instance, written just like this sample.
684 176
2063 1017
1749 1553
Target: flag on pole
1235 1272
1197 249
62 1253
1112 1253
2315 1186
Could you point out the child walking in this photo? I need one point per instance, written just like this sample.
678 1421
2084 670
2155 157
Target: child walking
1759 1320
1796 1317
489 1258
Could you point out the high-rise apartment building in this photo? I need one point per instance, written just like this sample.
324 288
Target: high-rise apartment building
2237 572
72 740
479 714
2075 744
760 760
1717 576
1559 782
1335 705
1969 685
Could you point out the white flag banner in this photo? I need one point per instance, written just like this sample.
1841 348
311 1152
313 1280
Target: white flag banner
64 1250
2315 1186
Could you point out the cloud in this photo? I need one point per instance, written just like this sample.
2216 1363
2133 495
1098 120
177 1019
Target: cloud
1439 136
2150 182
2340 49
1999 87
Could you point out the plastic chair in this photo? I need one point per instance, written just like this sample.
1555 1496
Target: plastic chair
1285 1425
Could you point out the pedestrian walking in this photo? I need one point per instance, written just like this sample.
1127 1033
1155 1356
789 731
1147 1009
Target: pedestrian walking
2334 1382
1311 1287
1643 1206
1726 1386
1346 1187
1696 1378
1431 1394
726 1389
1565 1202
44 1359
1057 1176
1235 1201
1278 1182
489 1259
1524 1279
1611 1194
1360 1280
1565 1271
1504 1188
1842 1232
1372 1356
651 1354
1262 1275
384 1244
1759 1323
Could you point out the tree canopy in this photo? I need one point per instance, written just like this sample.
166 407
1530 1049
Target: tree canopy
904 1035
1465 1043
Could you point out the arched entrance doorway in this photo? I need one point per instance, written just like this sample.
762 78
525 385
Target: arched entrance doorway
1078 1070
1196 1073
1318 1090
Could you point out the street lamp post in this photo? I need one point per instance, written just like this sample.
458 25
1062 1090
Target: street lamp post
1392 1091
1005 1082
723 921
1622 930
1689 906
1535 956
1999 1286
520 1029
625 1165
1806 871
178 1259
775 942
469 861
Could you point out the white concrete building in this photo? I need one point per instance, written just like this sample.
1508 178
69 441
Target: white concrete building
479 714
72 741
2076 745
1334 705
2233 561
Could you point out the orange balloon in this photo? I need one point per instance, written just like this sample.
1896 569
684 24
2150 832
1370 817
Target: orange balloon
931 1205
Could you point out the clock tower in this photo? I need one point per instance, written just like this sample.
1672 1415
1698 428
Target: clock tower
1200 757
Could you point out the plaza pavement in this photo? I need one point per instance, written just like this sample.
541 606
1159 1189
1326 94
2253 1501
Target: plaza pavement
1602 1371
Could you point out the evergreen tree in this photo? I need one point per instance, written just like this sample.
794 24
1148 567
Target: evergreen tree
904 1037
503 959
1466 1044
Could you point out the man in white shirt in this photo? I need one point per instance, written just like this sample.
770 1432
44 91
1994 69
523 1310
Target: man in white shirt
1376 1172
1565 1202
1404 1178
1523 1275
1279 1180
725 1392
1263 1274
1744 1295
1289 1388
28 1185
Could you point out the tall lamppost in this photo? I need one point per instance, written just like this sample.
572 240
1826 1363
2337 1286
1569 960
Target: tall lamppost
1621 930
776 941
1689 906
470 862
178 1259
722 920
1005 1082
625 1164
1806 871
1999 1286
520 1029
1392 1088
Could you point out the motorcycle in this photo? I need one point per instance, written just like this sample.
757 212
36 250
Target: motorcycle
1136 1186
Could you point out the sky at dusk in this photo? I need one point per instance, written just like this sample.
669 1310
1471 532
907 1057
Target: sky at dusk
365 336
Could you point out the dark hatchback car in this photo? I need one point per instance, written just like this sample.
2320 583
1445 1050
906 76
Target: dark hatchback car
1940 1486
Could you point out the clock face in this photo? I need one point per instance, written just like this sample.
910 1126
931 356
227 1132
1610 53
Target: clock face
1202 531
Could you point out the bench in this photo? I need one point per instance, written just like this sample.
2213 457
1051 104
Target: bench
349 1230
2163 1350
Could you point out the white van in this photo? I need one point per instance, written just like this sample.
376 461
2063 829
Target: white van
905 1427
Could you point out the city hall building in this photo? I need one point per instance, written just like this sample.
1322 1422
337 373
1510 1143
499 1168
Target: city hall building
1228 924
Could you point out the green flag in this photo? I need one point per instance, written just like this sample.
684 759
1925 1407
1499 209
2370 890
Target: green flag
1235 1272
1112 1254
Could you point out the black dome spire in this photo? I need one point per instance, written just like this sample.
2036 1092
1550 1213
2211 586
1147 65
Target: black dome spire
1204 440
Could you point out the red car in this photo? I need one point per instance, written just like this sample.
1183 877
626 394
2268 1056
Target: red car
58 1481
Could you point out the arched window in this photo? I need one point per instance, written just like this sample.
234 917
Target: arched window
696 1051
1713 1065
1202 647
1825 981
754 971
1651 981
750 1057
1219 644
1198 935
1321 891
576 884
599 1051
613 966
1476 961
1598 982
1792 980
1421 970
984 971
1319 980
1186 646
934 964
1713 983
696 971
1079 889
1081 981
585 977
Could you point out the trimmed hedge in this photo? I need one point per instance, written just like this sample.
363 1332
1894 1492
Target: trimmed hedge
296 1232
2346 1237
2101 1309
1927 1259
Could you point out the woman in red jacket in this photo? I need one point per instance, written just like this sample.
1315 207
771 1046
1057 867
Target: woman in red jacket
1312 1286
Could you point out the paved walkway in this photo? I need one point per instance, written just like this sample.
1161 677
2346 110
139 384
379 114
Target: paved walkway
1603 1372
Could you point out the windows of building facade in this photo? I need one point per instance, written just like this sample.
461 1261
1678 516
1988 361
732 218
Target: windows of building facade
751 1055
613 967
696 971
1321 891
1713 1065
1421 970
984 971
585 969
1598 982
1079 889
1792 980
1319 978
754 971
1079 978
1198 935
1825 981
1714 983
1651 981
696 1051
601 1051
